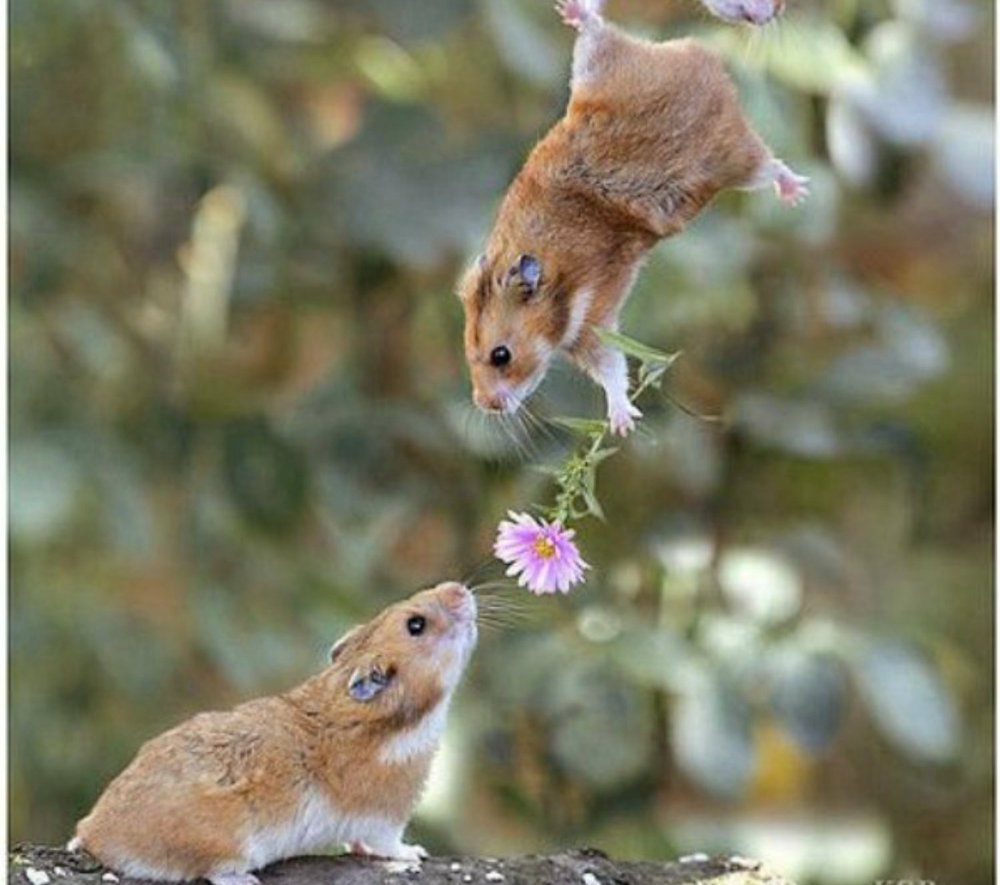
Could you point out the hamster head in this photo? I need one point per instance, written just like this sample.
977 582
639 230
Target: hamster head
514 321
403 662
755 12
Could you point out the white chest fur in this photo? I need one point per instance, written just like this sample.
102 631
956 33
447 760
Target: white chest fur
577 316
422 738
315 824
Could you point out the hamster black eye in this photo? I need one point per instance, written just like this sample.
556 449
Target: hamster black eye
416 625
499 356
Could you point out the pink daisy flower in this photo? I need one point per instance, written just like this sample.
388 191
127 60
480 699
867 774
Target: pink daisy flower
543 553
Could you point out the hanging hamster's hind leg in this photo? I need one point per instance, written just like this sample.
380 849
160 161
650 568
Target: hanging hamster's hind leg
790 187
580 14
589 55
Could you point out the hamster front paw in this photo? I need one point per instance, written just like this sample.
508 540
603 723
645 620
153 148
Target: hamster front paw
410 853
398 851
622 416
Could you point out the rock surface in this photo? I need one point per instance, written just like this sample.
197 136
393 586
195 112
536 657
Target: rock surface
41 865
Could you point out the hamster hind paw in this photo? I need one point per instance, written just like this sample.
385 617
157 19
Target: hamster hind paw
578 13
791 188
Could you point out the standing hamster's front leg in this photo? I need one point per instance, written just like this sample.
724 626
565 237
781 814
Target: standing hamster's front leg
608 367
387 842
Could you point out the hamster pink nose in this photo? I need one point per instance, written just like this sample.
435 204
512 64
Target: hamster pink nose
488 402
759 12
458 599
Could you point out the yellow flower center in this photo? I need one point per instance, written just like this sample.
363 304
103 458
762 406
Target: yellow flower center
544 547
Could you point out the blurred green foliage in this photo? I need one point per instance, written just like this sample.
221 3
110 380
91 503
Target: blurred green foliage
240 422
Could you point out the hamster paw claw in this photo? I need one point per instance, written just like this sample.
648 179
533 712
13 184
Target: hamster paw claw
791 188
622 418
401 853
407 854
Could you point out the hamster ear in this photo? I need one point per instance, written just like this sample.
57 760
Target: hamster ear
340 644
368 682
526 274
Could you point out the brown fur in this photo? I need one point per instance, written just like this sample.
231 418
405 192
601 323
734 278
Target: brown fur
652 133
192 795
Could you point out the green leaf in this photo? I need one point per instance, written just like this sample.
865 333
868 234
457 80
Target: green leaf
711 730
602 454
693 413
909 701
593 505
636 349
582 425
808 694
650 373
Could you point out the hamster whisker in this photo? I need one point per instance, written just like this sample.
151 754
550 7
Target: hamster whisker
539 423
504 619
513 611
496 587
470 415
520 419
525 420
489 626
489 588
773 32
547 422
499 421
472 420
494 601
470 578
489 425
506 423
501 612
493 623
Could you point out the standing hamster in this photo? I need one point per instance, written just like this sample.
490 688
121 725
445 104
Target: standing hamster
652 133
343 757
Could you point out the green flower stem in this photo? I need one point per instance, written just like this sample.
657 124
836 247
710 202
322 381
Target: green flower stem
577 478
